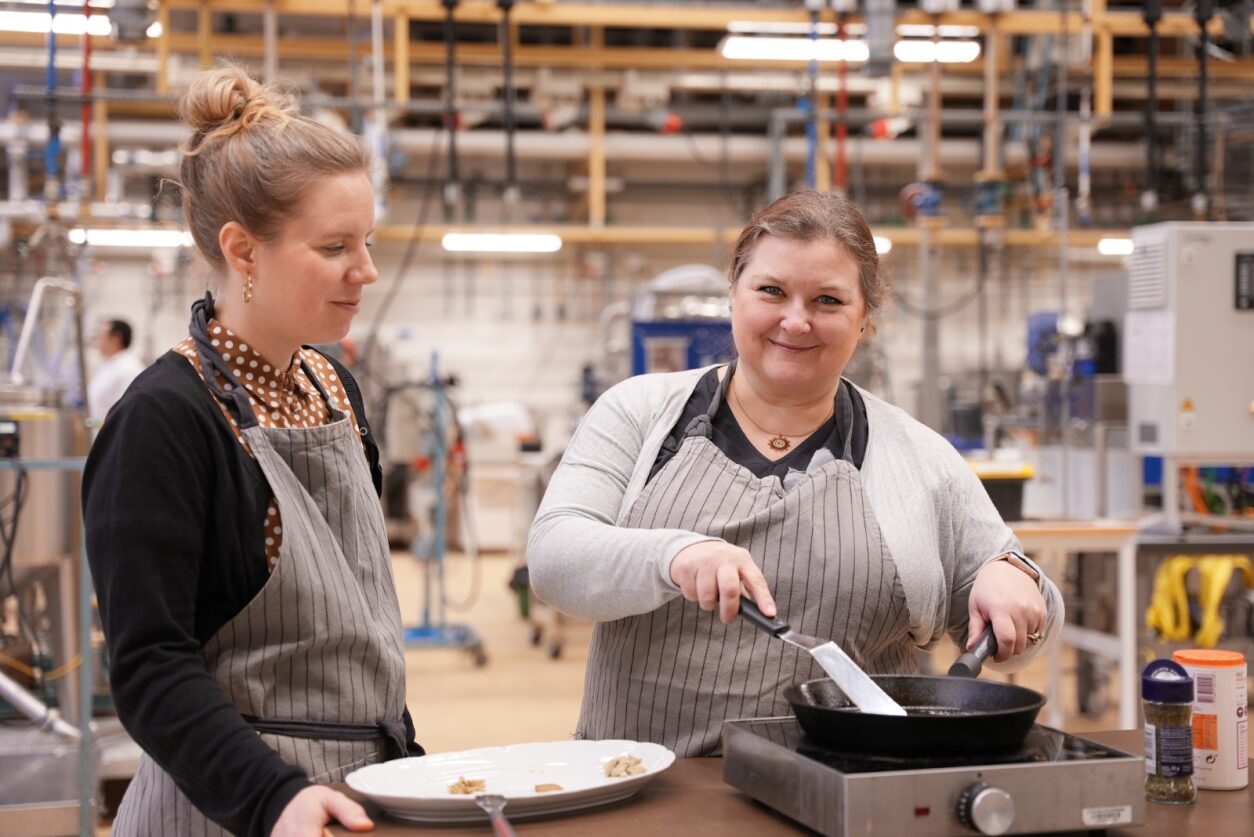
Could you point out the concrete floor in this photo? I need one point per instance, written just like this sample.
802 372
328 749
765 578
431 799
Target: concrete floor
524 695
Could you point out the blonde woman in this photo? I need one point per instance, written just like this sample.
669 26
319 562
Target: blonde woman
233 524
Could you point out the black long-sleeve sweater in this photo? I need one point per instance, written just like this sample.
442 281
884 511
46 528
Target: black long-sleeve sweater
174 509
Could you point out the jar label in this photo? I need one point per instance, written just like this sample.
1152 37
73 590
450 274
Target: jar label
1175 751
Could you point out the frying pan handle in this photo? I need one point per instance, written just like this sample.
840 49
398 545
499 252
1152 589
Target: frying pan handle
749 611
970 663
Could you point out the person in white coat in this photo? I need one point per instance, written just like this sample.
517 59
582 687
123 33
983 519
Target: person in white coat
118 367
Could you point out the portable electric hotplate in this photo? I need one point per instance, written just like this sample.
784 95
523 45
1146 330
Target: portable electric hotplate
1053 781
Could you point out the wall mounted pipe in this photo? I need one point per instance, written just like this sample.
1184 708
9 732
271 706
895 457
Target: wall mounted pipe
1202 13
452 186
52 150
85 111
508 96
811 100
270 37
840 175
1152 12
376 52
638 146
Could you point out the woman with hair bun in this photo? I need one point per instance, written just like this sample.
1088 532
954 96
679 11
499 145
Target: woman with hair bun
231 503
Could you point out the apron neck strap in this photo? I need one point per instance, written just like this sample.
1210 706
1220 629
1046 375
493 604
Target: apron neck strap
235 398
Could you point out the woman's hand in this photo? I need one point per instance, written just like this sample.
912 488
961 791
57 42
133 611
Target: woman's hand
314 807
1008 599
712 574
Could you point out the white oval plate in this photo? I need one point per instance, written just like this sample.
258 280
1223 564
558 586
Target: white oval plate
416 789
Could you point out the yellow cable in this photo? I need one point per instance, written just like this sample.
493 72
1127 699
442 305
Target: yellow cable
1168 611
18 665
1216 574
60 671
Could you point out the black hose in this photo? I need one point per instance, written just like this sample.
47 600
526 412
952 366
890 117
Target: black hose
451 176
1202 14
1152 13
507 93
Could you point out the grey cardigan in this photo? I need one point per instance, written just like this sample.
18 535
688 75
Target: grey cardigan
935 516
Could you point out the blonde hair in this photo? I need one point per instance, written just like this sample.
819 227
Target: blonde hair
251 157
817 216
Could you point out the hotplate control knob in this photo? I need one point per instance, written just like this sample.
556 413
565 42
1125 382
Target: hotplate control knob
986 809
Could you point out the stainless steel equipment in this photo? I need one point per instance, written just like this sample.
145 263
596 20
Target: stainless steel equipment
1054 782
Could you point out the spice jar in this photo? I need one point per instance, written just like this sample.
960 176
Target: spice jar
1219 722
1167 699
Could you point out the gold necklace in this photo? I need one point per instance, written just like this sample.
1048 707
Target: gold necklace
778 441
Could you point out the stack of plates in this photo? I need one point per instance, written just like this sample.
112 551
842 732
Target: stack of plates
417 789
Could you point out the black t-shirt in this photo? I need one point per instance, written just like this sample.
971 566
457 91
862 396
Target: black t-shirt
729 438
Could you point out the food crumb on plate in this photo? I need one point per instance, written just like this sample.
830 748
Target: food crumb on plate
623 766
467 786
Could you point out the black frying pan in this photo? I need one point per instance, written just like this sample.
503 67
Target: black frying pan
947 715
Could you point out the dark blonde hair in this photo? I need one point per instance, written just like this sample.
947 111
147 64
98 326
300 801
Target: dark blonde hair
816 216
251 156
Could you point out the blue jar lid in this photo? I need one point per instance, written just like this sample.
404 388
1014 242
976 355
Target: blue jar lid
1164 681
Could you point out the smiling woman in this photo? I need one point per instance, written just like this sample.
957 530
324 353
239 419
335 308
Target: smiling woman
260 651
777 478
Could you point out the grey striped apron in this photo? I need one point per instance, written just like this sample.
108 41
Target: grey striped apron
674 675
315 661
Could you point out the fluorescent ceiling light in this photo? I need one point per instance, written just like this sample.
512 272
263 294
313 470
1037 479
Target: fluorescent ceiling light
131 238
926 30
778 27
739 47
883 245
501 242
68 24
947 52
1115 247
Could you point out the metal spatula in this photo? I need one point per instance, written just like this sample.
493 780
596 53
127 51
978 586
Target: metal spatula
853 681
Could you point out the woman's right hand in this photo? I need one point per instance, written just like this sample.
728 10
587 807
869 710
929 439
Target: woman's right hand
713 573
315 807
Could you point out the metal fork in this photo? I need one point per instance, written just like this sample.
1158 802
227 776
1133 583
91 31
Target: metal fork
494 805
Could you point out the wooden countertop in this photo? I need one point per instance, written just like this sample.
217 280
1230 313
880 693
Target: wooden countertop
691 798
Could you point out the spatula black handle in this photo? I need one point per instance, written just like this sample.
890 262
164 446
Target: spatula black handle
970 663
749 610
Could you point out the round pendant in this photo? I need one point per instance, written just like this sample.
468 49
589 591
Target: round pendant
779 443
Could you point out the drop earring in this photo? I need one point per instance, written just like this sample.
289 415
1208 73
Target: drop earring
248 288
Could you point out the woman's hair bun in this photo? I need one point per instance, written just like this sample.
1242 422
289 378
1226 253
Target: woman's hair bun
220 102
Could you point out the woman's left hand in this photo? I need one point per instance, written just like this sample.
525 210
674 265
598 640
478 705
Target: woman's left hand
1008 599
